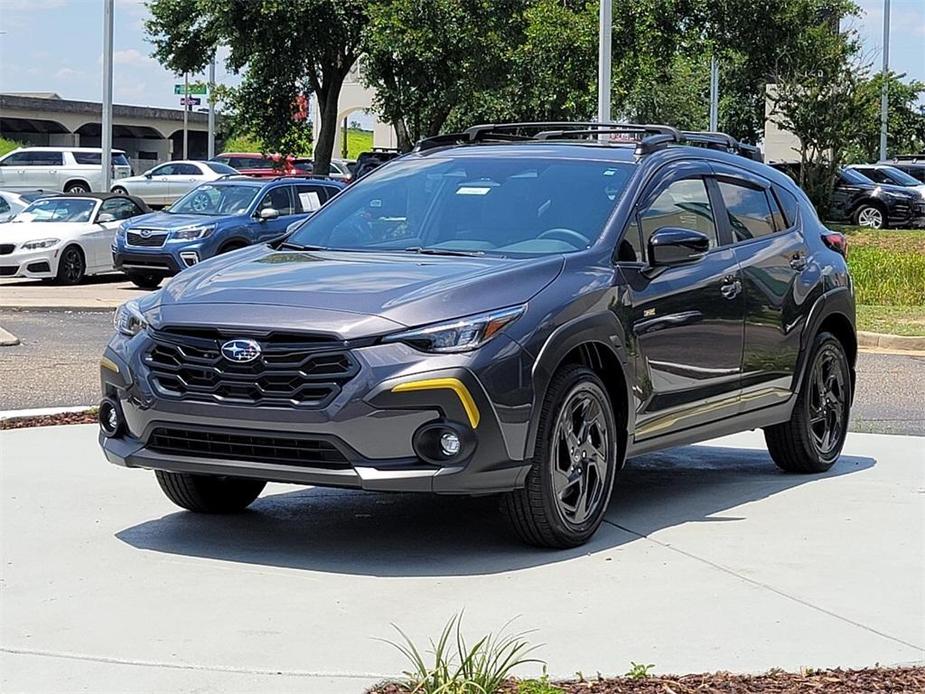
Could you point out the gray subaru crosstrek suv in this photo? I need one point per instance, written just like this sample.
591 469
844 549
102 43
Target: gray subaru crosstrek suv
511 310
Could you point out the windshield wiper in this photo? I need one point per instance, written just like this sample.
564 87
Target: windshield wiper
443 251
298 247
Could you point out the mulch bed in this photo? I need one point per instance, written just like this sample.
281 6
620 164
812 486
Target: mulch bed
85 417
869 680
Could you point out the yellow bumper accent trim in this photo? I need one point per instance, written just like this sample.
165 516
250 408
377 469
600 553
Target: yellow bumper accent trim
108 363
454 384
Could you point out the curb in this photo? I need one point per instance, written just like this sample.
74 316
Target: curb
899 343
75 308
42 412
7 339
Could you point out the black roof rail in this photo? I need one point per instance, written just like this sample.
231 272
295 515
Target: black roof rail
722 142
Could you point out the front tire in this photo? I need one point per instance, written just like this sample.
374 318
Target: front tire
77 187
207 493
71 266
144 280
119 190
813 438
568 487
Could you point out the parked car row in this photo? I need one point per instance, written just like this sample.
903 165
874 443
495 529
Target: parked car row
66 236
67 169
878 196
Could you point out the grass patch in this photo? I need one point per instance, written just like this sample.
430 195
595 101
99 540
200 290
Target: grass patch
892 320
357 141
888 267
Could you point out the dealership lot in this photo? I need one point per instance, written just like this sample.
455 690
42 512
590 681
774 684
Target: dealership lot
710 559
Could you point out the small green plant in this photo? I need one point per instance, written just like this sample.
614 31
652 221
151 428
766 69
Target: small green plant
477 669
538 686
638 671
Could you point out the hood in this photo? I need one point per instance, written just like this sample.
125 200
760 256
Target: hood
19 232
165 220
405 288
912 192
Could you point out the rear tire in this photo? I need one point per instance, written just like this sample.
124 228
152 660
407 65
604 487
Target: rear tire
568 487
144 281
119 190
77 187
870 216
811 441
207 493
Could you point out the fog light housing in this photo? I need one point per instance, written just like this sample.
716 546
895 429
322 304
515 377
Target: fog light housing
189 258
442 442
450 443
110 418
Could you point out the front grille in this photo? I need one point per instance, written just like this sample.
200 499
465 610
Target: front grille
6 248
155 240
250 446
293 370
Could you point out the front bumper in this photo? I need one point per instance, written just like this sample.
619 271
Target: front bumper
40 264
372 425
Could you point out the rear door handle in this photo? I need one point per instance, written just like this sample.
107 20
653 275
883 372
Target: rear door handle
798 260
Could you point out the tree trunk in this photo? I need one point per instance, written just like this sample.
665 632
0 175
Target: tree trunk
402 135
328 97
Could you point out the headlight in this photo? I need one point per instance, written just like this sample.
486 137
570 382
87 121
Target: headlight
128 319
462 335
39 243
191 233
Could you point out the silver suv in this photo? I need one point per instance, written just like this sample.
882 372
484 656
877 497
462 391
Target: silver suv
68 169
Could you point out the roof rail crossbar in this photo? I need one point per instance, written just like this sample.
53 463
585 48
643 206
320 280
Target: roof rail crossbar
558 134
723 142
476 130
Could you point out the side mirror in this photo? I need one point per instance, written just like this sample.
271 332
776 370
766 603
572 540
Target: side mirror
105 217
676 245
147 174
267 214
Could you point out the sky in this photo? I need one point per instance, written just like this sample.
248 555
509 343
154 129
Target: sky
55 45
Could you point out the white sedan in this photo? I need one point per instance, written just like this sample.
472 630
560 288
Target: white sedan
65 237
169 182
11 204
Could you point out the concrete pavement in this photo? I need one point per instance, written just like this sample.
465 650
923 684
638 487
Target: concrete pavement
709 559
98 293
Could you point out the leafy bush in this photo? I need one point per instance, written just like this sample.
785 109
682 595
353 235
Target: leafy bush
8 145
478 669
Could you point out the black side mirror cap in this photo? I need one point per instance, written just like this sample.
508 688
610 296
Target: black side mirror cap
676 246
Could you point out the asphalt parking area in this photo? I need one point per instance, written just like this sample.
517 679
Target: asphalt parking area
710 559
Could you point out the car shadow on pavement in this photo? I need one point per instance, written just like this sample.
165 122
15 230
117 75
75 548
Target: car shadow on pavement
376 534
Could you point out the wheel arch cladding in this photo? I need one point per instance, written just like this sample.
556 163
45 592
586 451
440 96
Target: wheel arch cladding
592 341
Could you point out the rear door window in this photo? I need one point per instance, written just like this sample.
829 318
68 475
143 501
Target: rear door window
748 210
119 208
309 198
187 170
789 207
94 158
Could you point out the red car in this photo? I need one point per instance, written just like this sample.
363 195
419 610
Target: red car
260 165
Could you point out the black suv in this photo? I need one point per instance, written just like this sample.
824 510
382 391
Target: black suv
513 309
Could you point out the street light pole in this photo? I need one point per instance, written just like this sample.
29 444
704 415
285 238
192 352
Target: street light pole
186 115
605 30
106 123
885 91
714 94
212 108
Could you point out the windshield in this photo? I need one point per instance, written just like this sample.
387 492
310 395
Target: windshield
852 176
900 178
214 200
58 210
220 168
514 206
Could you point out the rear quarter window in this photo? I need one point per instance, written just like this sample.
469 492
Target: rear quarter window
789 207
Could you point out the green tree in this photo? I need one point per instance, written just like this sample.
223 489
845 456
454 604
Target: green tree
425 58
821 103
284 48
906 119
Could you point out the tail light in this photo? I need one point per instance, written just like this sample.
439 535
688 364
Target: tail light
836 241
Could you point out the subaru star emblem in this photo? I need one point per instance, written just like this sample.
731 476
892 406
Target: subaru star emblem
145 233
240 351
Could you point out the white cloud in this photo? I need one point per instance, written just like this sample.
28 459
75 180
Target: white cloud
67 73
131 56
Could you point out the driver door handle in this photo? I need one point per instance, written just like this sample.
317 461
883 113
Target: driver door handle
730 287
798 260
